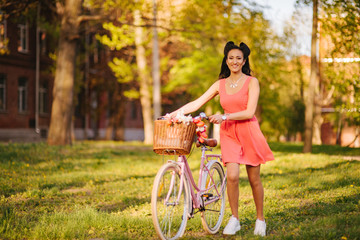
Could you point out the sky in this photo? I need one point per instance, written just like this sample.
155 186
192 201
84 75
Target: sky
280 11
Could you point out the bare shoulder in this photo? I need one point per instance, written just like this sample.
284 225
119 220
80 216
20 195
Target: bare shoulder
254 81
216 85
211 92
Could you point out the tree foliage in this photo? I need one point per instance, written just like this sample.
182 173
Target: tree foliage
209 25
341 24
192 35
339 74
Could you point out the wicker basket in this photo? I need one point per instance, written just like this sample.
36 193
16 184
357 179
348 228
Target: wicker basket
174 139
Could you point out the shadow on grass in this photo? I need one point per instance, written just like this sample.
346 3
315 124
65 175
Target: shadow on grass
300 171
316 149
124 204
302 174
32 153
308 221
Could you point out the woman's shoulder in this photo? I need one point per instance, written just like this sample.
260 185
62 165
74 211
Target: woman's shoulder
253 81
216 86
220 80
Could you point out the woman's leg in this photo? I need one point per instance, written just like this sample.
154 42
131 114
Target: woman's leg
257 189
233 187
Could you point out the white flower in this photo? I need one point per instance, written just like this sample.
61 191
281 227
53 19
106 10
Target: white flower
201 129
181 118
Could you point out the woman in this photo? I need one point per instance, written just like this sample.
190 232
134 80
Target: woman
242 141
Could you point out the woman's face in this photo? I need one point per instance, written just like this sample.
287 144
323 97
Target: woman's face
235 60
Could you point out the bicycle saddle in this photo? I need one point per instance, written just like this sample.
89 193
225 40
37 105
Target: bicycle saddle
211 142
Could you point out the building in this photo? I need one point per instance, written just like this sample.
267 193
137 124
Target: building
26 83
24 80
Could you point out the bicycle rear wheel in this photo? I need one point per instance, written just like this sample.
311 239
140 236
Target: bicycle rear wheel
214 209
169 215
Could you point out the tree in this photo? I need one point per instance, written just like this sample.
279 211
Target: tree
336 82
72 14
130 33
69 12
309 100
207 26
62 107
155 66
119 40
341 27
145 94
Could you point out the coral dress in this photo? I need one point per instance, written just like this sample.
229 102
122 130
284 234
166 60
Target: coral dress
241 140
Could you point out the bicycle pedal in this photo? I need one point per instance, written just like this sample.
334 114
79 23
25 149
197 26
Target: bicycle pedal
207 195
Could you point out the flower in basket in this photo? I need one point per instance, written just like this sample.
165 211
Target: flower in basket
179 118
201 129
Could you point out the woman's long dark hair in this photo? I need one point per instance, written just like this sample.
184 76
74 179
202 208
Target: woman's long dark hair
225 71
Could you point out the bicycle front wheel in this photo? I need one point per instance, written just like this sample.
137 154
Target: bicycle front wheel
213 198
169 211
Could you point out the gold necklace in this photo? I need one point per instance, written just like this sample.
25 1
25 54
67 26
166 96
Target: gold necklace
235 84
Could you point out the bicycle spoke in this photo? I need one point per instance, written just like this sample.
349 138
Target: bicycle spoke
214 203
169 212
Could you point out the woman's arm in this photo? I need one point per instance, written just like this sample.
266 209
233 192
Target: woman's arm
254 91
196 104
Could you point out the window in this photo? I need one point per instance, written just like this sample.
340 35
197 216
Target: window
2 92
43 98
22 94
23 34
3 39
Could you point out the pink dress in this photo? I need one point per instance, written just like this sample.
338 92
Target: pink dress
241 140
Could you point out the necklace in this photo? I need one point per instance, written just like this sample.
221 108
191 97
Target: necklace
235 84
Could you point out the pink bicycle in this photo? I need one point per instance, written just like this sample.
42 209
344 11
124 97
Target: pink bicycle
176 197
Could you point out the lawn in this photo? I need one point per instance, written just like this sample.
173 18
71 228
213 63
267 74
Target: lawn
101 190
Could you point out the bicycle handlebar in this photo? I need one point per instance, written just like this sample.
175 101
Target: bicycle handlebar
207 142
202 115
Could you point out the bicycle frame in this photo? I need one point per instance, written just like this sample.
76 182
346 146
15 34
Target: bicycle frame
186 173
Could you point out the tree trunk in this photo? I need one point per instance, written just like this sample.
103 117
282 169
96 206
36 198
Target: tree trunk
301 77
318 119
309 102
318 101
115 127
61 113
119 111
109 134
145 95
156 68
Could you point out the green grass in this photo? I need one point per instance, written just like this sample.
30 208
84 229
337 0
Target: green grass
102 190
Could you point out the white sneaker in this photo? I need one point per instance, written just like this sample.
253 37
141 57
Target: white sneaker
232 227
260 228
